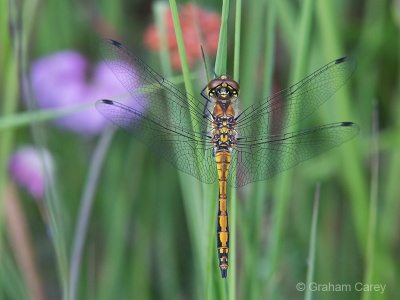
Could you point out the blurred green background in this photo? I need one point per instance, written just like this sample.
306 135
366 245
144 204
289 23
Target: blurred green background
150 229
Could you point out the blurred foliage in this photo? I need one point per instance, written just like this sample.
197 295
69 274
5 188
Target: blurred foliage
140 242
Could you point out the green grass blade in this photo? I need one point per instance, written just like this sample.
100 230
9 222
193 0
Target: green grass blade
283 184
373 205
58 223
238 26
181 47
221 59
313 238
352 173
85 210
191 188
37 116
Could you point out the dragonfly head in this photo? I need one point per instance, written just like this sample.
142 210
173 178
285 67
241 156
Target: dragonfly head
223 88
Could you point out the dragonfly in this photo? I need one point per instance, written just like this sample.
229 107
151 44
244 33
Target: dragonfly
214 140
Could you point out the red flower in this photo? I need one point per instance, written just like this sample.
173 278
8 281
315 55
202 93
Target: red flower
199 27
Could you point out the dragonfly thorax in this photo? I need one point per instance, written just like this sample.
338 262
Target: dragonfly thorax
223 132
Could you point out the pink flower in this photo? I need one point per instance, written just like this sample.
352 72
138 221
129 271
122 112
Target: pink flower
194 20
59 80
27 168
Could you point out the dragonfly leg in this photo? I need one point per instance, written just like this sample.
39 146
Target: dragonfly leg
206 111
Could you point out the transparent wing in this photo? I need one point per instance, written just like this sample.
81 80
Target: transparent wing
188 151
160 98
297 102
259 158
165 124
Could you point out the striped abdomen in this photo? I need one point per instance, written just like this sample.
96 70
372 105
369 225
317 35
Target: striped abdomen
222 159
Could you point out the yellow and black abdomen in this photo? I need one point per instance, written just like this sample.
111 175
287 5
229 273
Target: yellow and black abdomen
222 159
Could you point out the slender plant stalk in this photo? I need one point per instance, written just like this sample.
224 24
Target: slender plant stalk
19 235
181 47
232 278
282 191
221 59
238 26
21 40
31 117
269 47
352 176
159 10
269 62
52 200
373 205
313 238
85 210
300 57
9 102
191 187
